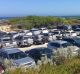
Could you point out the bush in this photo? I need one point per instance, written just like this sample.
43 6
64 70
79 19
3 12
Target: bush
70 66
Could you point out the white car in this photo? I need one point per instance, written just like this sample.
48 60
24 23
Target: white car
56 33
28 33
51 37
70 33
35 31
7 42
44 30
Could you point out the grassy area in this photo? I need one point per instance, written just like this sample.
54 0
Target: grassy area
71 66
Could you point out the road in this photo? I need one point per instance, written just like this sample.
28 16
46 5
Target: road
33 46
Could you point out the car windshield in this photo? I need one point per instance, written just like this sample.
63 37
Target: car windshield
77 29
17 55
35 30
45 34
55 45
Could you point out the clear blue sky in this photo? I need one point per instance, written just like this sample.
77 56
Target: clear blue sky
39 7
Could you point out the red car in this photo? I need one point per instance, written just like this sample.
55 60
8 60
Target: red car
2 69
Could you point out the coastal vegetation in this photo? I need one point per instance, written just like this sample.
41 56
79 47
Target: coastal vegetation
42 21
69 66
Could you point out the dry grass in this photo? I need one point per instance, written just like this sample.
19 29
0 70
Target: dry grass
71 66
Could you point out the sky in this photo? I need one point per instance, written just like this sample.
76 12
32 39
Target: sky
39 7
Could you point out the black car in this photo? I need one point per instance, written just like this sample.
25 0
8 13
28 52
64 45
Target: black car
37 53
64 27
74 27
75 41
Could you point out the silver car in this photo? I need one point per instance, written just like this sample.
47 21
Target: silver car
7 42
24 40
16 57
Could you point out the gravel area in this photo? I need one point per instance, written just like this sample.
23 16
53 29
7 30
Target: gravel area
33 46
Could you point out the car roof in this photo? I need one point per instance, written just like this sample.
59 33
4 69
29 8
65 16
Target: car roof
76 38
5 37
73 38
33 29
59 41
37 49
41 48
10 50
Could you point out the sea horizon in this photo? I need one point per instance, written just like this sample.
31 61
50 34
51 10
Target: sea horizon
10 17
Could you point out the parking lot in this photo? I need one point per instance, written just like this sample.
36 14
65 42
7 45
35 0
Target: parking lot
29 46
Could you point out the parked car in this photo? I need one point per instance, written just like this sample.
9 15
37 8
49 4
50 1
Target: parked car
69 33
51 37
64 27
2 34
74 27
38 39
28 33
63 47
35 31
44 30
57 44
24 40
57 34
77 30
13 34
7 42
37 53
47 37
74 40
16 57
